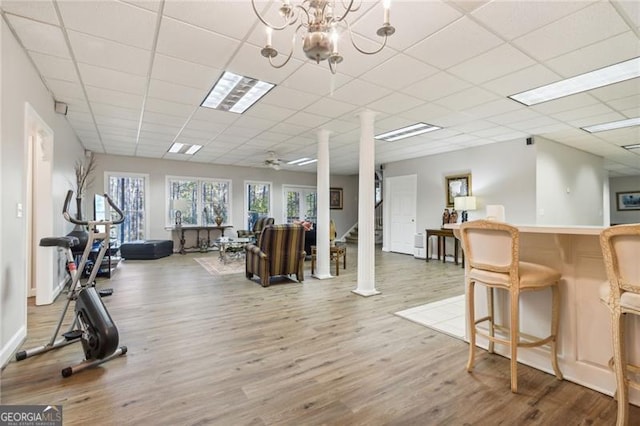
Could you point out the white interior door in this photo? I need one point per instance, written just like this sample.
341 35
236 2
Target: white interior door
401 194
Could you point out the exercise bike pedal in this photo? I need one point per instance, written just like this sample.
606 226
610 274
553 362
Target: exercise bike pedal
105 292
72 335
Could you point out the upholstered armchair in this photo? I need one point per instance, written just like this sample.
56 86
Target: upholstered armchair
261 222
279 251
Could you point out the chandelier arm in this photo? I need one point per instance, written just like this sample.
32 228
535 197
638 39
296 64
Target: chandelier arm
293 45
347 10
273 27
364 52
306 12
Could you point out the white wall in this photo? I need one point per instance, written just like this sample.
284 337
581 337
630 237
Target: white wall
501 173
21 84
159 169
569 185
623 184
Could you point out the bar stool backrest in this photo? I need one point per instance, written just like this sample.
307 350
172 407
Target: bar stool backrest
491 246
621 250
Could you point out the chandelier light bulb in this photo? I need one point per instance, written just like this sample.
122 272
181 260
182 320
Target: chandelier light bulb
269 32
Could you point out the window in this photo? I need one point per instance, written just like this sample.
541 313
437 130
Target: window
199 200
301 203
128 192
258 201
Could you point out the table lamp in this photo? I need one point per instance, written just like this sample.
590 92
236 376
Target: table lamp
179 206
463 204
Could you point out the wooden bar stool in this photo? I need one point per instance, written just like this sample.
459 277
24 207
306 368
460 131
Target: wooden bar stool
492 251
621 251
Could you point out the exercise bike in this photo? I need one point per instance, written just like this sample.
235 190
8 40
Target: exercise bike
92 325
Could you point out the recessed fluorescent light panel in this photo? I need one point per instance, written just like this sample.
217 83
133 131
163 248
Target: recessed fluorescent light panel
407 132
183 148
592 80
299 160
630 122
634 146
304 163
235 93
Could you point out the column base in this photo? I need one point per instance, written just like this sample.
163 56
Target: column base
365 293
322 276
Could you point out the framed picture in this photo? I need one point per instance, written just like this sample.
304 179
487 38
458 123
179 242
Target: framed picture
335 198
457 186
628 200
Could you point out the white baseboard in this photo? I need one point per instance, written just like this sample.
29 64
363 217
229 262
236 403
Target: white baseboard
12 345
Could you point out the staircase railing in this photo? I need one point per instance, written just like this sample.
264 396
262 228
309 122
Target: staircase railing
379 215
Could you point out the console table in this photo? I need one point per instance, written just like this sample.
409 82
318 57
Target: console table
335 253
208 229
442 235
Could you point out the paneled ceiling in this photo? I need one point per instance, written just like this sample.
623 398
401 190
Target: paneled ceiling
133 74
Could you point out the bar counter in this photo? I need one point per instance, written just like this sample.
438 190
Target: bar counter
584 346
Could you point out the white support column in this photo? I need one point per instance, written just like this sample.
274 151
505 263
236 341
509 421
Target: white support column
366 208
322 225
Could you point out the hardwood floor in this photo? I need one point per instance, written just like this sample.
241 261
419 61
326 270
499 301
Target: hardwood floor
223 350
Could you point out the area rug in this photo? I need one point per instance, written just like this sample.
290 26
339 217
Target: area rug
445 316
215 266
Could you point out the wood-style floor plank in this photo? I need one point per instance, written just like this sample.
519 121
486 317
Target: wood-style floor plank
222 350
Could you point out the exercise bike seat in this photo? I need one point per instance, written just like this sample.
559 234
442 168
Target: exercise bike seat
64 242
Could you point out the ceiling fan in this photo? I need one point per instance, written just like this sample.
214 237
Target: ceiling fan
273 161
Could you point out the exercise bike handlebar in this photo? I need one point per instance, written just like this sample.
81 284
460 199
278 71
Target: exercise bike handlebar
69 218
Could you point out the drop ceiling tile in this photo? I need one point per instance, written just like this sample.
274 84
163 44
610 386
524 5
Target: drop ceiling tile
395 103
534 125
468 98
116 123
194 44
629 104
107 131
511 20
339 126
632 10
564 104
65 89
39 37
254 122
111 20
205 126
159 118
231 18
584 112
152 5
513 117
435 87
598 55
241 132
360 92
55 67
520 81
490 65
176 93
457 42
289 98
42 11
182 72
586 26
617 91
109 54
497 107
169 108
289 129
595 119
270 112
215 116
427 113
198 134
398 72
306 119
328 107
111 79
116 112
311 78
111 97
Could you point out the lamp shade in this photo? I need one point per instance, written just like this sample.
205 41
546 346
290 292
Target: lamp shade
464 203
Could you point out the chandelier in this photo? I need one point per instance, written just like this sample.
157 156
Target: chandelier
319 22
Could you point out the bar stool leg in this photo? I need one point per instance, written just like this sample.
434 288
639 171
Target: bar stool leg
471 324
620 366
514 335
491 318
555 320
